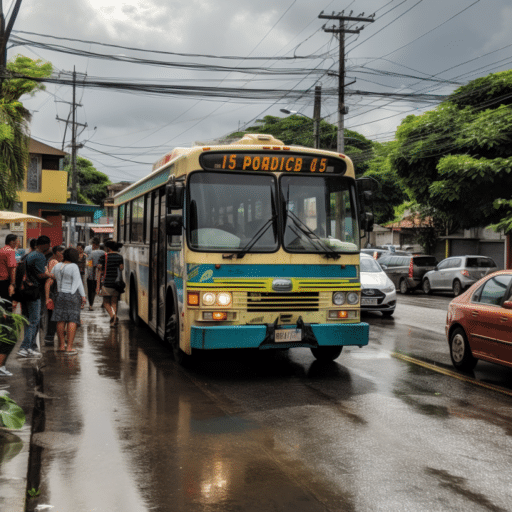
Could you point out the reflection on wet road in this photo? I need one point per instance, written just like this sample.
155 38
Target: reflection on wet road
128 430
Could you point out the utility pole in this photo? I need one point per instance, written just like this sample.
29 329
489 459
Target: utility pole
74 146
5 32
316 116
341 31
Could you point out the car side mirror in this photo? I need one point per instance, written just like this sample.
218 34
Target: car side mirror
384 267
507 304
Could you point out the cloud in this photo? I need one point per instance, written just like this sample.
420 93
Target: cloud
413 38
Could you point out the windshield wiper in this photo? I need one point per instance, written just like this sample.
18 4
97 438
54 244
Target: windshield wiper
329 252
253 240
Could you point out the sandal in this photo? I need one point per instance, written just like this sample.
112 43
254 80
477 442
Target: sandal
71 352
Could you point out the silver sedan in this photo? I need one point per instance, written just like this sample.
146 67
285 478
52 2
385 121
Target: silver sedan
378 292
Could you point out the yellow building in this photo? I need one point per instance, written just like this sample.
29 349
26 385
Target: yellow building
45 194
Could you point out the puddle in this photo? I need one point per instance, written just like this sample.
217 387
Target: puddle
10 446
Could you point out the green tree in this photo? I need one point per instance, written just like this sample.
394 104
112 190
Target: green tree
457 159
388 193
92 184
14 123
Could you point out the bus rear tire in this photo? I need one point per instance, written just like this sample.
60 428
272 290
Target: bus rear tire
134 307
326 354
172 336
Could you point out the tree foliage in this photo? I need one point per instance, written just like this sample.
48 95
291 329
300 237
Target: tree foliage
14 124
92 184
298 130
457 159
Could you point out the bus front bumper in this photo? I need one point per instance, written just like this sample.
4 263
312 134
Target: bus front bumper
263 337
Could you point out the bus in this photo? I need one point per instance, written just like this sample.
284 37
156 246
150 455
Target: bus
253 244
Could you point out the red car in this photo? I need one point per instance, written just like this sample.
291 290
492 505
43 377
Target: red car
479 322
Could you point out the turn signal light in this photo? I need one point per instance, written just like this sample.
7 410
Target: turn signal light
338 314
220 315
193 298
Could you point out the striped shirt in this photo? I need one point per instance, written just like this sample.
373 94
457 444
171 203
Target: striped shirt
114 261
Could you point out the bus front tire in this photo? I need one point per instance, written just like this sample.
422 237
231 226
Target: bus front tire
172 336
326 354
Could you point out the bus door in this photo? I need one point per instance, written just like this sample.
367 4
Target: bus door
162 264
158 258
153 259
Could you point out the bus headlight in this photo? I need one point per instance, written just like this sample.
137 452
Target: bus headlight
224 299
352 298
208 299
338 298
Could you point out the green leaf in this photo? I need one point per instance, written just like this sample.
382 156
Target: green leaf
11 414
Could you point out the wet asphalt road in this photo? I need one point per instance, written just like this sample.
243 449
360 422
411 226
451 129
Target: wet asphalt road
381 429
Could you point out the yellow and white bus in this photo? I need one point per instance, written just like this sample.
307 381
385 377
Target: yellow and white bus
246 245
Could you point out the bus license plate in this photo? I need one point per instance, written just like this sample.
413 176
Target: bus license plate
369 302
285 335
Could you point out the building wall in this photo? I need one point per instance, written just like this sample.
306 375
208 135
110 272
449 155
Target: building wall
54 189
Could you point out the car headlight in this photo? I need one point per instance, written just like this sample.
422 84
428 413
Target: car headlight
209 299
224 299
389 289
352 298
338 298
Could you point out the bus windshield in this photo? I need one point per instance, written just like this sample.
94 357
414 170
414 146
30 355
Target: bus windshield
232 211
320 214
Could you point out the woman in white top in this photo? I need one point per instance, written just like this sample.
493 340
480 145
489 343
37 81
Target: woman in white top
70 299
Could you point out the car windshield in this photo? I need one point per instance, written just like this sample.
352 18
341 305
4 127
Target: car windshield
369 265
320 214
232 211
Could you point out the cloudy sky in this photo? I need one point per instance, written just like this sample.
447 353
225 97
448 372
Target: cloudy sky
191 91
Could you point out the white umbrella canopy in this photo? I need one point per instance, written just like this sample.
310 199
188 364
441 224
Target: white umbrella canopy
8 217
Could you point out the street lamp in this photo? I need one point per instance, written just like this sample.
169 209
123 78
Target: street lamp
316 124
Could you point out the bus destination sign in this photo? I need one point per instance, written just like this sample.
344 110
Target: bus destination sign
290 162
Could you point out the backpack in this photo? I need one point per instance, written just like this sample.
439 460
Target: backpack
24 289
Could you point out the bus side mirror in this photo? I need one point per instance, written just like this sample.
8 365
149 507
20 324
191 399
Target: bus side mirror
175 193
367 222
174 225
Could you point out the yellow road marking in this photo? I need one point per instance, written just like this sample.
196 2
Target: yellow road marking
450 373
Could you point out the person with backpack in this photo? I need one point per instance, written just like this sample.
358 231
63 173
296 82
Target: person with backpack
30 289
110 266
7 282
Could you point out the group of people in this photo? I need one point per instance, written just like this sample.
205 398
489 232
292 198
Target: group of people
57 278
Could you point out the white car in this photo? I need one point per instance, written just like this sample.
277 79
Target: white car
378 292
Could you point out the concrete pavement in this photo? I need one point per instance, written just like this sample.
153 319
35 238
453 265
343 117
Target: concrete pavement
26 388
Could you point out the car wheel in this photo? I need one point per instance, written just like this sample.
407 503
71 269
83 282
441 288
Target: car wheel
326 354
460 353
402 286
427 290
457 288
388 313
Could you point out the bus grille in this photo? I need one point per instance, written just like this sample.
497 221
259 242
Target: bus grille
260 302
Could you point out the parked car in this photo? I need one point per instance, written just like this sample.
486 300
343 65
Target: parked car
479 322
407 271
378 292
458 273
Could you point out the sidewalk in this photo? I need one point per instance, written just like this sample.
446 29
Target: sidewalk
26 388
